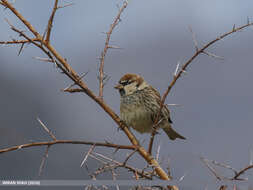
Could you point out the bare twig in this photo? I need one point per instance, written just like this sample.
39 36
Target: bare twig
62 63
222 165
205 161
67 69
236 177
129 156
46 143
50 21
183 69
18 41
107 46
154 131
118 164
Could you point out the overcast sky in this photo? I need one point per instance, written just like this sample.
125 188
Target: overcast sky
216 112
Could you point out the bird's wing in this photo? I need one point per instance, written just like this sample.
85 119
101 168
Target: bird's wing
165 110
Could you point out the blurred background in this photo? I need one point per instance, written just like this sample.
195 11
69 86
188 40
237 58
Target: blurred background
216 112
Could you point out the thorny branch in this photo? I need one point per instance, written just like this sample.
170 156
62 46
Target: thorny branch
50 21
18 41
50 143
62 64
67 69
183 70
109 164
107 46
242 171
219 177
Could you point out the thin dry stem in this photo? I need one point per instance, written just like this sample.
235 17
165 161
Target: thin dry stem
129 156
143 174
205 161
236 177
18 41
107 46
50 21
66 68
51 143
61 62
183 69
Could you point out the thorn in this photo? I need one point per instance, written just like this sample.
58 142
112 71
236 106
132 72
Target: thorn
194 39
21 48
181 178
43 59
8 22
158 152
176 70
114 47
213 55
87 155
43 161
66 5
251 157
46 129
70 86
168 168
174 104
248 21
233 28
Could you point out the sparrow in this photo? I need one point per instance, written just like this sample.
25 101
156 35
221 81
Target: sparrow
140 104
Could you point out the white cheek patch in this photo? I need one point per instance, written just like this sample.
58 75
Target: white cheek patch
130 88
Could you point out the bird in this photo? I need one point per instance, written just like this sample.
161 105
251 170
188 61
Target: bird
140 104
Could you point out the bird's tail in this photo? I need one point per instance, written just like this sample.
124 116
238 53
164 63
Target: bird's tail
172 134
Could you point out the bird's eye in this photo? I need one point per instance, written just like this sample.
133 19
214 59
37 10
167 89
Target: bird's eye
124 83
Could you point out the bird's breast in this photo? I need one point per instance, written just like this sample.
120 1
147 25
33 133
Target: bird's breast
135 115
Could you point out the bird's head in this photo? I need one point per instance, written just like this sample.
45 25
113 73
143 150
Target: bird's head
130 83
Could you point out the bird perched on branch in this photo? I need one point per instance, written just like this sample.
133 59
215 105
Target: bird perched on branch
140 104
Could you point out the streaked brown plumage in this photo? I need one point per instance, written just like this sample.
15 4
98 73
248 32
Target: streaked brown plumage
139 105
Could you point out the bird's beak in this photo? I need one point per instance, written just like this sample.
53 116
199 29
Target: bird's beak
118 86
